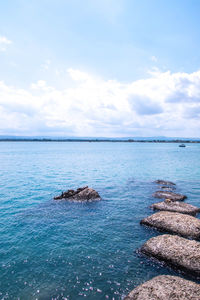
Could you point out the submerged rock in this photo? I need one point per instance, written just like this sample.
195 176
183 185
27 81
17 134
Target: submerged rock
81 194
179 252
166 287
164 182
176 206
173 222
169 195
167 188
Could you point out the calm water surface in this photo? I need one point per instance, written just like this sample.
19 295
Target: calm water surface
59 250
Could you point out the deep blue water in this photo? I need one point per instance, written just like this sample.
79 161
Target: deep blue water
59 250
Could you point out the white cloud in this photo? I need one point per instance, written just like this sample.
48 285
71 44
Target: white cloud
4 42
164 104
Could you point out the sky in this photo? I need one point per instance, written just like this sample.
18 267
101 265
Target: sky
100 68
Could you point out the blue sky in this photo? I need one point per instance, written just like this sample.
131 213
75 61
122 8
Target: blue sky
104 59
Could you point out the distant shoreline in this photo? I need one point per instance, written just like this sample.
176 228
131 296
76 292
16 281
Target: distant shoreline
100 140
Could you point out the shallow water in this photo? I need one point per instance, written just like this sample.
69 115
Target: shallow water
60 250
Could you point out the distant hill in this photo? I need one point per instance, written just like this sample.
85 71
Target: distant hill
98 139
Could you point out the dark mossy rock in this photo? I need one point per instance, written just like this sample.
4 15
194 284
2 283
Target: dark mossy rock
176 206
166 287
164 182
173 222
169 195
81 194
176 251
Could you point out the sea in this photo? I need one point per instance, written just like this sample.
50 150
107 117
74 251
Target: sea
65 250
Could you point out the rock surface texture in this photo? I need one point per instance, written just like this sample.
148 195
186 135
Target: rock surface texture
166 288
173 222
169 195
176 206
164 182
81 194
177 251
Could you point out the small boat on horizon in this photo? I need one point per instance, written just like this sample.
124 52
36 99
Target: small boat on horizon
182 145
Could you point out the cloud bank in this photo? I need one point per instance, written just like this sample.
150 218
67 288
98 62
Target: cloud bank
164 104
4 42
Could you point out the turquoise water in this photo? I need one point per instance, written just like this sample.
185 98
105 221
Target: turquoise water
61 250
